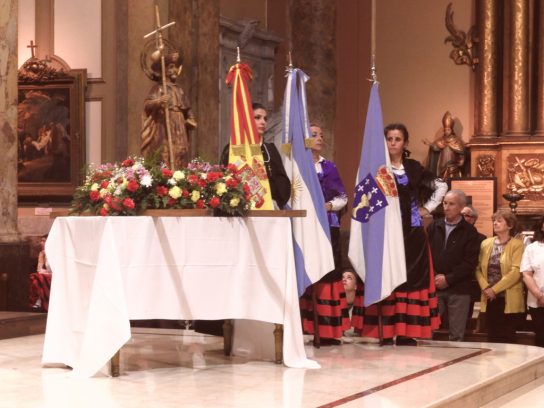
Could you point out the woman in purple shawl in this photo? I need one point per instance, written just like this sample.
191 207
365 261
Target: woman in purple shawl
332 310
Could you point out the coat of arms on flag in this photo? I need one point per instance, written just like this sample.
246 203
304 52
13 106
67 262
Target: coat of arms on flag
371 194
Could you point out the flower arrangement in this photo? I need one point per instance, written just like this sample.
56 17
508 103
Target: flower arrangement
134 185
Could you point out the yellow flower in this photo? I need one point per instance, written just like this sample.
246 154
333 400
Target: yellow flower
179 175
195 195
103 192
234 202
220 189
175 192
94 187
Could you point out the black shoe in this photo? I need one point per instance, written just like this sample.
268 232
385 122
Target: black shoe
405 341
386 342
329 342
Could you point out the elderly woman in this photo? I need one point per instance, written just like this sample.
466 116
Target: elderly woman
498 274
532 268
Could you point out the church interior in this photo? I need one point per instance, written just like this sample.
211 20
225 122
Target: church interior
481 61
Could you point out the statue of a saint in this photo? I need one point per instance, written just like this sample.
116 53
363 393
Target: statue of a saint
447 153
154 134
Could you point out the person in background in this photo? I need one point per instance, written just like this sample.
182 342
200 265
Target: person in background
498 274
40 281
330 304
532 269
411 311
454 250
353 288
470 215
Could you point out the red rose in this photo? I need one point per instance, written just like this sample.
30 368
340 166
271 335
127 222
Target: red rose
129 203
232 168
200 204
167 173
232 183
259 203
103 212
185 193
212 176
107 199
171 202
133 186
94 195
214 202
162 191
116 204
246 188
104 184
192 179
127 163
202 183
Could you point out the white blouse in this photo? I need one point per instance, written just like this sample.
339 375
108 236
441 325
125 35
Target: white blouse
533 260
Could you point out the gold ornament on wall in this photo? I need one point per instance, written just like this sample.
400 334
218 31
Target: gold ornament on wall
486 165
526 175
463 43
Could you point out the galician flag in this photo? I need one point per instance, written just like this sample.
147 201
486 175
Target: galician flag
376 245
311 234
245 142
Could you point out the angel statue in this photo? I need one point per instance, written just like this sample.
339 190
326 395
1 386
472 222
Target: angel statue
447 153
163 110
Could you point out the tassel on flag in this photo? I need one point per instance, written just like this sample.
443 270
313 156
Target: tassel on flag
311 234
376 246
245 142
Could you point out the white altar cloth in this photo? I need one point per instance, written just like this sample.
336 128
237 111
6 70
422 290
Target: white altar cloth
108 270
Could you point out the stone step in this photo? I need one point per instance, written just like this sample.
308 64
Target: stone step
18 324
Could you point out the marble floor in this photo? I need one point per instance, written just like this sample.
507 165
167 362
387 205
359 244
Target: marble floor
161 368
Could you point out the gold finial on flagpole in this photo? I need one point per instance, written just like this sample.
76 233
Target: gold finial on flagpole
289 66
238 59
373 75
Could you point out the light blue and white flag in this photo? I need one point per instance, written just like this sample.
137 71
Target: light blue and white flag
376 245
311 234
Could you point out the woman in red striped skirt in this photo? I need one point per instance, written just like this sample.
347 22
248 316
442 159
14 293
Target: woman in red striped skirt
331 307
411 311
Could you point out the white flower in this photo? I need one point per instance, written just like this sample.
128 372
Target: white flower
234 202
146 180
94 187
179 175
171 181
203 176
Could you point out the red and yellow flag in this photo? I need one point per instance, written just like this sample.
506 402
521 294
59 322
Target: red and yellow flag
245 142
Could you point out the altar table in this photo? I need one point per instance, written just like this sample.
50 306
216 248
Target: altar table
109 270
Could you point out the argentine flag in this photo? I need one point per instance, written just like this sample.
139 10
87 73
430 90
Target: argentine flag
312 240
376 245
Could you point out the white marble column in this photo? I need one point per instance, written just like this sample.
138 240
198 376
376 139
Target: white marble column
8 121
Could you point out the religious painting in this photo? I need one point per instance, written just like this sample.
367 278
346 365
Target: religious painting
51 132
481 194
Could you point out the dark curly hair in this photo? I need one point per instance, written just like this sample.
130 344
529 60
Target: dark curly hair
402 128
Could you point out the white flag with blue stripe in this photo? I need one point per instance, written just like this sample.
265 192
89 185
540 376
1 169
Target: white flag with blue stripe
311 234
376 245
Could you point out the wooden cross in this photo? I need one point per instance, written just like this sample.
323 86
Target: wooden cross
32 46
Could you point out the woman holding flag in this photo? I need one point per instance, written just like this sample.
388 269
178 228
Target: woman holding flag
411 311
331 307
